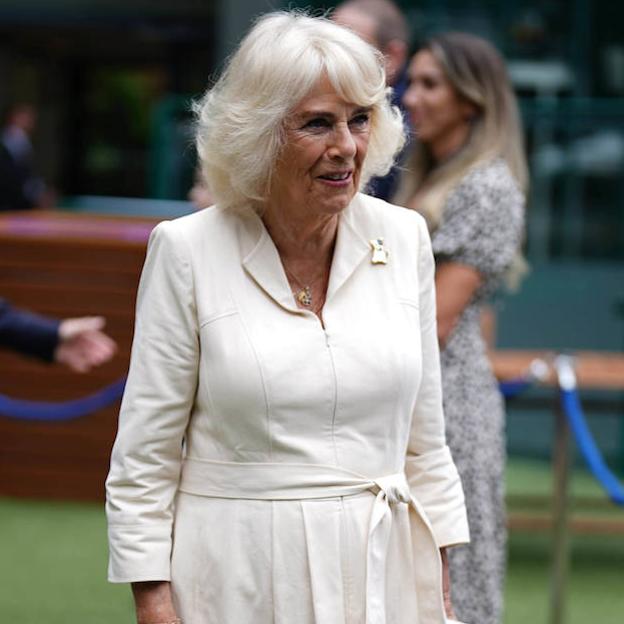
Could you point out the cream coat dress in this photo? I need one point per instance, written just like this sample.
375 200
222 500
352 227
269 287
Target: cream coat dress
278 470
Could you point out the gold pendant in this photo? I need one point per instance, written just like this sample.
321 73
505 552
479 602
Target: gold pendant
304 296
380 253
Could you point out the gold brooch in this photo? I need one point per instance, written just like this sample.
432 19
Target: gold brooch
380 253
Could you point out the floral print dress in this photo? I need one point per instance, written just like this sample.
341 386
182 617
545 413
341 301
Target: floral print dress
482 226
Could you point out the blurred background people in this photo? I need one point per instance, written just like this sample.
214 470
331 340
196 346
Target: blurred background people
20 186
467 175
78 343
382 24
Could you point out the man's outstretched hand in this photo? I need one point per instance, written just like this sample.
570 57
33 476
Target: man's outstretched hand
82 343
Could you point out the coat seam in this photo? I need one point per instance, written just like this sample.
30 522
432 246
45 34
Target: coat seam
265 392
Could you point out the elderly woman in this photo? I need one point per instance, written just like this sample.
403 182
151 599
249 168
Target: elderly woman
281 454
467 175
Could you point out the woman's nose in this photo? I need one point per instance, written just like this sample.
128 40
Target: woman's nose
411 96
342 143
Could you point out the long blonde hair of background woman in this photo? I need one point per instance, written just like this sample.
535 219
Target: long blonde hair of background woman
477 72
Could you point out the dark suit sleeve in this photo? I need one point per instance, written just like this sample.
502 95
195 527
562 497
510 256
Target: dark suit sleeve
28 333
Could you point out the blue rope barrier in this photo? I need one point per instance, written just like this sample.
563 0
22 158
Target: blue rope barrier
586 444
537 372
513 387
67 410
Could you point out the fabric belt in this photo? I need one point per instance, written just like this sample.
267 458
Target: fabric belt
294 481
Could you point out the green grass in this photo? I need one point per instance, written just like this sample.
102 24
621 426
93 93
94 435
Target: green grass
53 566
595 588
53 561
595 591
534 478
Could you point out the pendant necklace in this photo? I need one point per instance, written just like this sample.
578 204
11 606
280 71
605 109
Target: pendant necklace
304 294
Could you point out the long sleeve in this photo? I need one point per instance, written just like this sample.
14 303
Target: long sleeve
28 333
429 468
159 395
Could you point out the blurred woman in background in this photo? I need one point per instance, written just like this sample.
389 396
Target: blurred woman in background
467 175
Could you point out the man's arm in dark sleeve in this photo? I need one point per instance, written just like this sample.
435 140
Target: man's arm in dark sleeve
28 333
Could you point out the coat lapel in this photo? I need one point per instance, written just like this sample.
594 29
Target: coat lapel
352 247
262 262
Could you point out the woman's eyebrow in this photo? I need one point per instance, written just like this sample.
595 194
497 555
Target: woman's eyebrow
307 114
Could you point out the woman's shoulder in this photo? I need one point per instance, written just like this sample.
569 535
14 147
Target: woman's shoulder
492 176
194 224
390 215
189 238
488 186
482 220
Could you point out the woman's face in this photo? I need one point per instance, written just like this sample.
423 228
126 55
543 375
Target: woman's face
318 171
439 115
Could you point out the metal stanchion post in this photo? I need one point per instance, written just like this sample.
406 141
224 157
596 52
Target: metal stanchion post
561 482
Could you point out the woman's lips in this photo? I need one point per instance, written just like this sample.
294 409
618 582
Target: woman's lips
333 179
415 119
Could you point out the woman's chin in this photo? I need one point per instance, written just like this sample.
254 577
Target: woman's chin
336 202
335 206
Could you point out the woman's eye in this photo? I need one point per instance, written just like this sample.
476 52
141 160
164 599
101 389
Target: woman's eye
318 123
360 120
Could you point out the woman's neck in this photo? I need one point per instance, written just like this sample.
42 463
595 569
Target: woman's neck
302 240
446 146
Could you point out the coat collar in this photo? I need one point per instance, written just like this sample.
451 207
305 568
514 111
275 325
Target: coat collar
352 245
261 258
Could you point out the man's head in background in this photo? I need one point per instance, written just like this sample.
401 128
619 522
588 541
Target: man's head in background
382 24
21 115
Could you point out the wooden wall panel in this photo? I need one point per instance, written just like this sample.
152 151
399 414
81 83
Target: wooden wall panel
66 266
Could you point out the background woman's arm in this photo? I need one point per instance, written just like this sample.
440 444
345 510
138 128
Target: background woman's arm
476 241
456 284
446 585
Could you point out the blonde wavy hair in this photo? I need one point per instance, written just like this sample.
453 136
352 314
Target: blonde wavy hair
240 120
477 73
